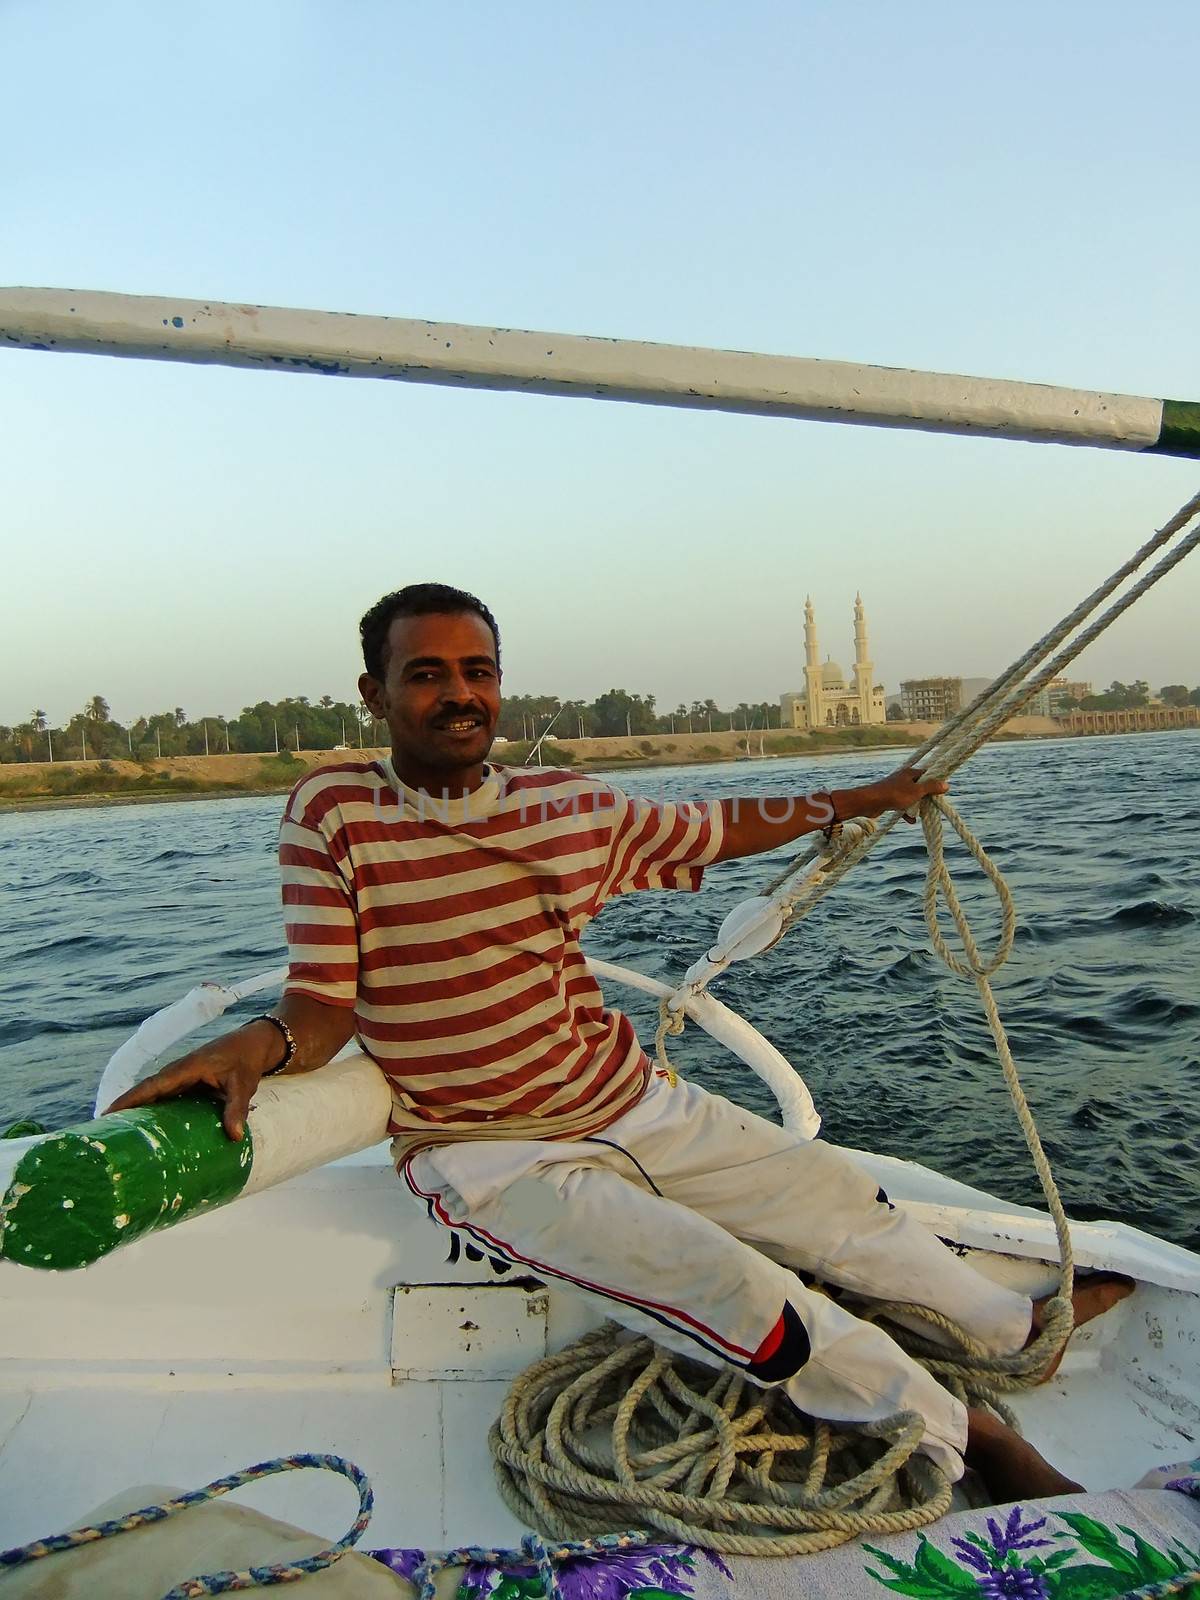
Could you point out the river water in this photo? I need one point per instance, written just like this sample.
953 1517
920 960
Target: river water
112 912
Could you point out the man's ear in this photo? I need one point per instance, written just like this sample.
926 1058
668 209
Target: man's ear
372 692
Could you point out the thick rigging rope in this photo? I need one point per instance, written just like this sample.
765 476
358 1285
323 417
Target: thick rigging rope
615 1431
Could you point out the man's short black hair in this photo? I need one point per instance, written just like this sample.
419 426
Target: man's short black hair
415 600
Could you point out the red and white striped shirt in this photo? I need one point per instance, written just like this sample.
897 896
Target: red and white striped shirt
452 927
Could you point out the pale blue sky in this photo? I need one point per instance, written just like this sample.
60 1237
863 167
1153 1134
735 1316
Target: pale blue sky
1008 191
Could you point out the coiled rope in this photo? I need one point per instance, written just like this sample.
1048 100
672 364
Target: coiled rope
615 1430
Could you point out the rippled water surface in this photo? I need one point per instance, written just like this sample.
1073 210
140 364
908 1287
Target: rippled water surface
113 912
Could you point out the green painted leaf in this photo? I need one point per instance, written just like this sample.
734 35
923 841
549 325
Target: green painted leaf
510 1589
1100 1541
1089 1583
910 1586
1088 1528
935 1567
650 1594
900 1569
1152 1563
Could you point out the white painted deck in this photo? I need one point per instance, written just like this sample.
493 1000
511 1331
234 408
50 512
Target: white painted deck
269 1327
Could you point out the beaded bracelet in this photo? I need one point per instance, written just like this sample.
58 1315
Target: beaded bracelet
289 1039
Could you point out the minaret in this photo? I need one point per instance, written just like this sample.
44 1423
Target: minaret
864 667
812 667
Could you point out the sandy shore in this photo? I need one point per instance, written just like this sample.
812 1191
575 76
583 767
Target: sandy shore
30 786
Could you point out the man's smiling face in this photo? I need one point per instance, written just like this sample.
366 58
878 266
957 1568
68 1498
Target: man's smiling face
440 697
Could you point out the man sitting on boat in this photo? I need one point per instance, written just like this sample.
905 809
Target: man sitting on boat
434 906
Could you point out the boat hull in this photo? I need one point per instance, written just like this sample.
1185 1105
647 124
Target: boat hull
321 1314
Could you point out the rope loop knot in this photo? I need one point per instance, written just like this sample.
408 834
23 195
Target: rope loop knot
669 1022
939 885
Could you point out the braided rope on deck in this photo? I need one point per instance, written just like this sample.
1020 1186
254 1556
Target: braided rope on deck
217 1582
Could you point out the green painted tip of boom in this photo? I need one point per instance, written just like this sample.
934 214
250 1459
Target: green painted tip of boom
78 1194
1180 431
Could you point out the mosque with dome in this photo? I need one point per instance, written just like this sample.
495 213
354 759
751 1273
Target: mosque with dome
827 700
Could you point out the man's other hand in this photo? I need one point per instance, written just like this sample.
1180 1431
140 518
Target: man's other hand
902 790
229 1069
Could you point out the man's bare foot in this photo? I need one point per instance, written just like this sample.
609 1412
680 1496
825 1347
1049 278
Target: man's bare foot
1009 1465
1092 1295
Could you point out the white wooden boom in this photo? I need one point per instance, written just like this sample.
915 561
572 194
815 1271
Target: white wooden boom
345 345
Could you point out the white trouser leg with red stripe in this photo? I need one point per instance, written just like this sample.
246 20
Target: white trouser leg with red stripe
703 1266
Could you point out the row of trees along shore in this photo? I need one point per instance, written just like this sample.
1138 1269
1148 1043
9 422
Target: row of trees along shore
1129 696
298 723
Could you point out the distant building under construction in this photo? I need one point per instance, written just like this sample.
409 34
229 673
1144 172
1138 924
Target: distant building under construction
931 699
935 699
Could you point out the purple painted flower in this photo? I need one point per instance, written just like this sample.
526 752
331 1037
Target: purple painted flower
611 1574
404 1562
479 1578
1185 1486
1014 1583
973 1556
598 1575
1014 1536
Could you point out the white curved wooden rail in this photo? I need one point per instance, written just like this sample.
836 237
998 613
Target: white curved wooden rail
302 1122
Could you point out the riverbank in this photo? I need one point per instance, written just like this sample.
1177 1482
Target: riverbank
26 786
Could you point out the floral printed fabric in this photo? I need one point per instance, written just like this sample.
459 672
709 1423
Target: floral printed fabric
645 1573
1074 1547
1083 1560
1182 1476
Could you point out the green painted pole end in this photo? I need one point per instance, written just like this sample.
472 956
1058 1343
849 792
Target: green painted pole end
1180 431
78 1194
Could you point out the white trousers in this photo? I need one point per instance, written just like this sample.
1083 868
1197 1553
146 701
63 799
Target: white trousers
702 1265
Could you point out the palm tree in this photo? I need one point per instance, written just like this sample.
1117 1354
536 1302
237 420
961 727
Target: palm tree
97 709
37 721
